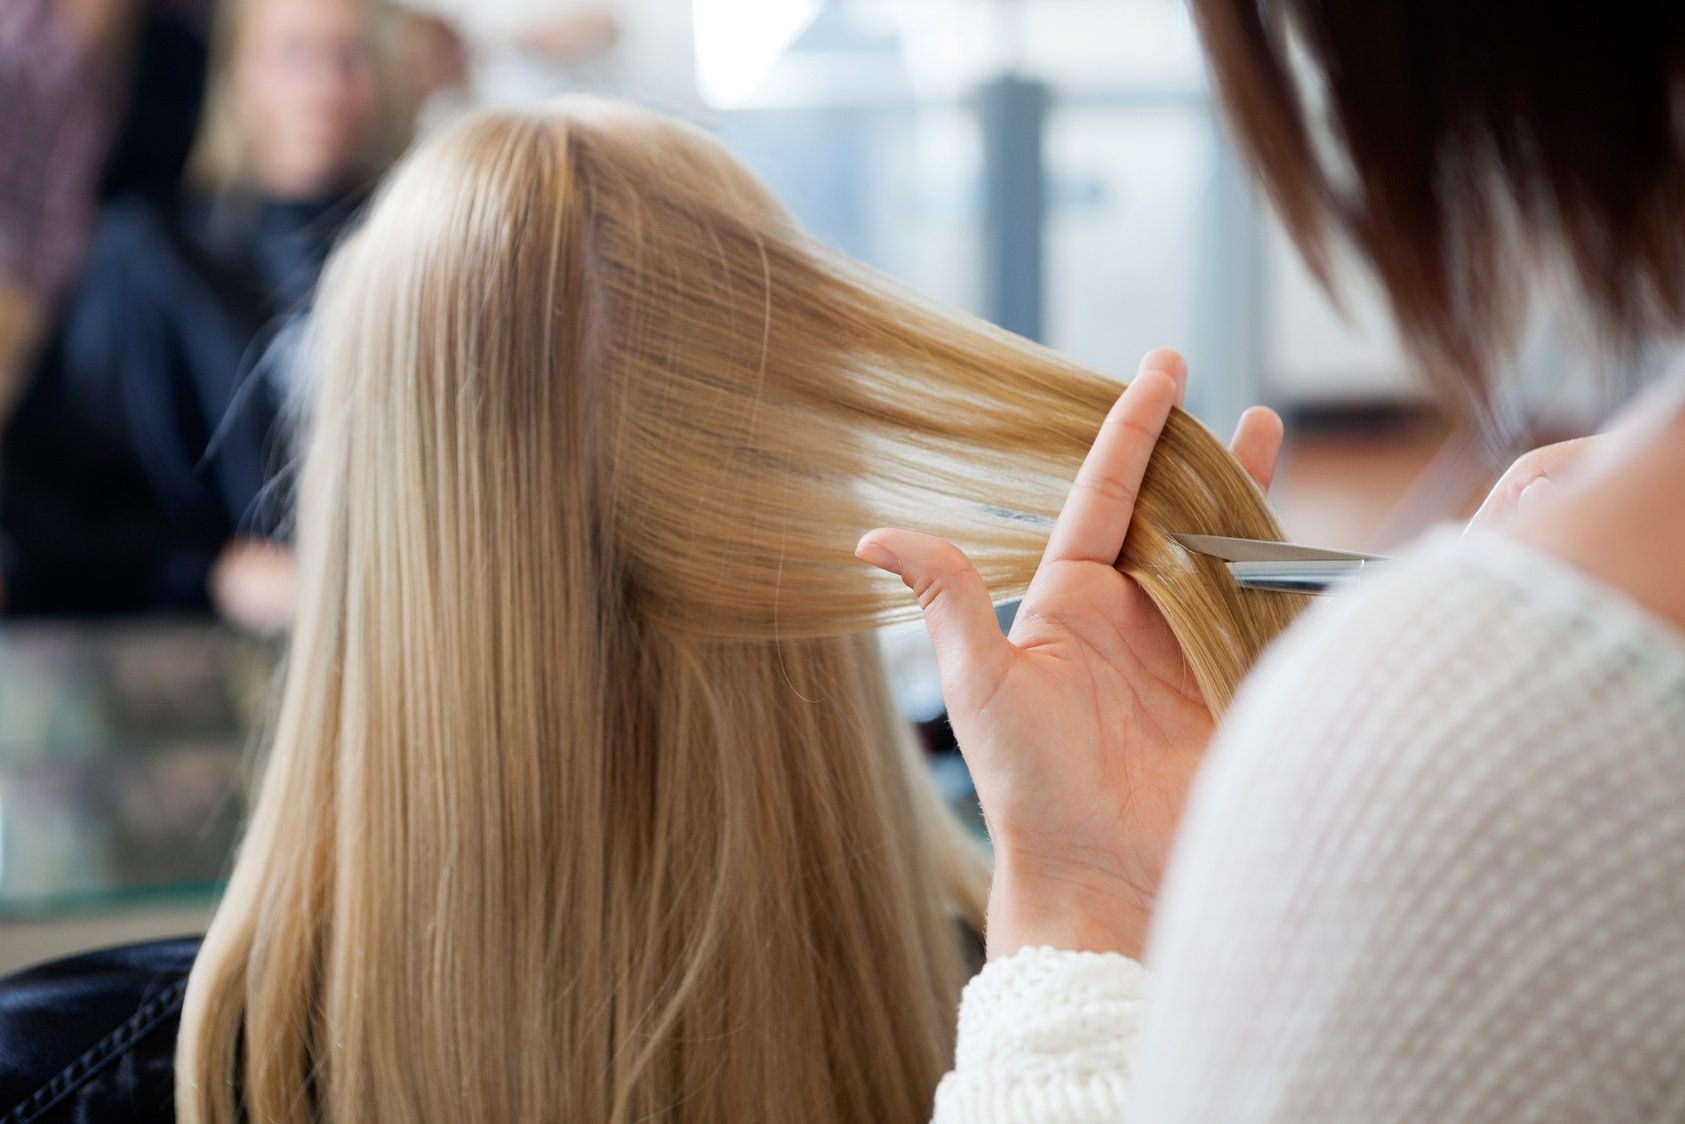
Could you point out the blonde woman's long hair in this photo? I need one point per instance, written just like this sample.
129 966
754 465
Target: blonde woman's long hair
586 800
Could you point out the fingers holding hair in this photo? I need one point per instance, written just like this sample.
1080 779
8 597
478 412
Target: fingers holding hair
1096 515
958 611
1257 444
1169 361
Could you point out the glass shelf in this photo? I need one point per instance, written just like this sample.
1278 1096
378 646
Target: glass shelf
122 761
125 758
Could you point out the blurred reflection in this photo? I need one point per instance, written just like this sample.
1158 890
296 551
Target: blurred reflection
523 51
120 751
134 467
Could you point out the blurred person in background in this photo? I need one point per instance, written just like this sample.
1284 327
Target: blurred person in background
524 51
132 473
97 97
58 101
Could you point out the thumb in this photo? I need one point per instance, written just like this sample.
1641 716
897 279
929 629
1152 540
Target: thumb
1541 491
957 610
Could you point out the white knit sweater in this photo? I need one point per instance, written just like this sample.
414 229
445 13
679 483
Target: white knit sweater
1434 870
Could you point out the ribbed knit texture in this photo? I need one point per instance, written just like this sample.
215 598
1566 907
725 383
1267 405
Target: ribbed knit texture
1024 1058
1434 870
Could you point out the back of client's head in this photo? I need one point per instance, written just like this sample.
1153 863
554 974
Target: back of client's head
586 800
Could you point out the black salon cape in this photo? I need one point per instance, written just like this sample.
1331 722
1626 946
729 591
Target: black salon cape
91 1039
149 435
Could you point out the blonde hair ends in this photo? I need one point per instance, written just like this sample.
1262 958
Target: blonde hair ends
586 799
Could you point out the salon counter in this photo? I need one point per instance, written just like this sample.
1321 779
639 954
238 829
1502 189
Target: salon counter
122 777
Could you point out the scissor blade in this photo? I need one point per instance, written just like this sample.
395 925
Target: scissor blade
1261 550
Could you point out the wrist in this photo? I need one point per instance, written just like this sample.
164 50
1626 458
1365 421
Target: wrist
1064 906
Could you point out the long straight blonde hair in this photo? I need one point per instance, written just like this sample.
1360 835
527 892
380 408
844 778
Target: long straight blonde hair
586 800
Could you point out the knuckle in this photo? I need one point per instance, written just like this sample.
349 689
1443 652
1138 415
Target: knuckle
1529 463
1129 423
932 587
1108 487
1545 458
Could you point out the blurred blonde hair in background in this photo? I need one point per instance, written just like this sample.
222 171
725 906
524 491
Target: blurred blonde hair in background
586 799
222 156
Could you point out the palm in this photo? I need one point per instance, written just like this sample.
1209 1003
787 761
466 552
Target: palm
1082 729
1107 720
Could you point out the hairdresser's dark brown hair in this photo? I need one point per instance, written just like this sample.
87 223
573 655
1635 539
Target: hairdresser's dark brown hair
1461 144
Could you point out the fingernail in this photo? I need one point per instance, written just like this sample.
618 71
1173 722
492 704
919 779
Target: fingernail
1538 492
1162 359
1165 376
877 556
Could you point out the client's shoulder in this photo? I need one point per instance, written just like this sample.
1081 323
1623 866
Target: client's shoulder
93 1036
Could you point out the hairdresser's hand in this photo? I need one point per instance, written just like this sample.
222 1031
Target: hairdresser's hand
1531 480
1084 728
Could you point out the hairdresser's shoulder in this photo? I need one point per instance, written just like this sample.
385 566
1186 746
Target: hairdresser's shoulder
1486 652
1435 849
92 1037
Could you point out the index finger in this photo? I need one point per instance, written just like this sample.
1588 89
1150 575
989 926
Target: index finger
1096 515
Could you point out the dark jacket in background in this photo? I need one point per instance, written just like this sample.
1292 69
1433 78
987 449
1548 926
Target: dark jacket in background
149 434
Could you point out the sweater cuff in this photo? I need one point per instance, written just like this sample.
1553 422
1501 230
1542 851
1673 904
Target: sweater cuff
1045 1037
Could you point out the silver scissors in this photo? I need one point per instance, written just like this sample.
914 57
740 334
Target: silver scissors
1284 567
